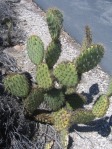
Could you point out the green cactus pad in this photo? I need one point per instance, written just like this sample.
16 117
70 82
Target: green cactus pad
101 106
74 101
54 99
17 85
89 58
32 102
35 48
45 118
64 138
55 21
53 53
66 74
43 76
61 119
109 90
82 116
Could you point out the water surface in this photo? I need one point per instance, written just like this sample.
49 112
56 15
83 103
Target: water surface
95 13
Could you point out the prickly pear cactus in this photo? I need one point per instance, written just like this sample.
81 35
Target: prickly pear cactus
89 58
66 74
56 84
53 53
17 85
43 76
82 116
61 119
55 21
32 102
101 106
87 42
54 99
35 48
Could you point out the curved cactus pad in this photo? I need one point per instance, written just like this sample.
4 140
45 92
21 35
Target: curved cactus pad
82 116
53 53
61 119
66 74
35 48
17 85
43 76
32 102
54 20
101 106
54 99
89 58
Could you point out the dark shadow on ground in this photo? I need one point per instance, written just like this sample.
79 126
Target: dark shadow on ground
93 90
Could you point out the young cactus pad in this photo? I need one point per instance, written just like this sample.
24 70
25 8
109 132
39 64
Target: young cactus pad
32 102
61 119
66 74
17 85
89 58
43 77
55 21
82 116
53 53
54 99
101 106
35 48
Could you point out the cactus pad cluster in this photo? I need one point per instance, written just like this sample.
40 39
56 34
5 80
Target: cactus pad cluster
65 103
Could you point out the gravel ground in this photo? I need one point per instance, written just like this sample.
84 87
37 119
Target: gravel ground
31 20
